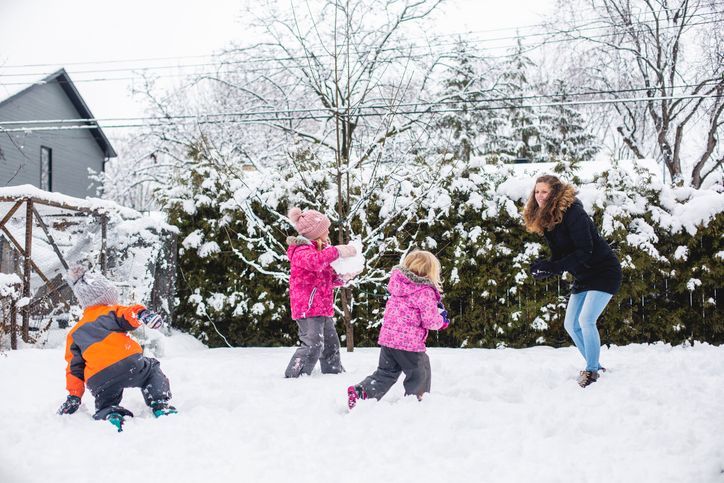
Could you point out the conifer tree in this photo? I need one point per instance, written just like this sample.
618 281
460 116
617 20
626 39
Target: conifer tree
522 136
462 123
563 130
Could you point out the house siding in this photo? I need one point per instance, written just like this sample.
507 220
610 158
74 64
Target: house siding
73 151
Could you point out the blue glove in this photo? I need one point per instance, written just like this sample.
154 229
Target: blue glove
70 405
542 269
150 319
443 312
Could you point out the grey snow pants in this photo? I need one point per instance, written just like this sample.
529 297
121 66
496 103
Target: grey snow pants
148 376
393 362
320 342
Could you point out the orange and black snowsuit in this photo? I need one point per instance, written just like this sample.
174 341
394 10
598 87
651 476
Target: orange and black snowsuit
101 355
98 348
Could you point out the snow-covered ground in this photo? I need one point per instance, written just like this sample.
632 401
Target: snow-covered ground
494 415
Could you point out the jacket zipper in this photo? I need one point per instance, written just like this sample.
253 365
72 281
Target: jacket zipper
309 304
311 298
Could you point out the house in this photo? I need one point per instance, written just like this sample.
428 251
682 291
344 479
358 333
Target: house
51 155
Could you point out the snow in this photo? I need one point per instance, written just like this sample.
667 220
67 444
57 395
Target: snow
30 191
10 285
494 415
354 264
519 186
208 248
681 253
193 239
134 242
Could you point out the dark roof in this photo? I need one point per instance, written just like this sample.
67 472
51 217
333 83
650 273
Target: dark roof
62 78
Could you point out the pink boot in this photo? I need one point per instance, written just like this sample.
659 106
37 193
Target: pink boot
353 394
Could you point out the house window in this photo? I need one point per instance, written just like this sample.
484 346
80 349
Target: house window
46 168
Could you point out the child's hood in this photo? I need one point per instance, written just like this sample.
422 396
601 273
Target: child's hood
403 283
294 241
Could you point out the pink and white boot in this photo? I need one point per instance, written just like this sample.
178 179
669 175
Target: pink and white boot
353 394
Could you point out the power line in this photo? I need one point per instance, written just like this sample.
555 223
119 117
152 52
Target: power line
115 61
584 23
403 56
428 110
428 48
327 111
453 34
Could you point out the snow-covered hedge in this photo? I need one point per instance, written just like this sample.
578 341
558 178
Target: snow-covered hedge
234 271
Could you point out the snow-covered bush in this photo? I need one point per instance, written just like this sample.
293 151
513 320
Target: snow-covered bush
470 217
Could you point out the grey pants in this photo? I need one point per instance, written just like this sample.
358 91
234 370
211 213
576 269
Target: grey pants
320 342
415 365
153 383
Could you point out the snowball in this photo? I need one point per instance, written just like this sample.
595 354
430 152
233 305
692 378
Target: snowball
353 264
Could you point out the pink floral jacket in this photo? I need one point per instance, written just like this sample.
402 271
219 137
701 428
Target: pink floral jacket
410 312
312 279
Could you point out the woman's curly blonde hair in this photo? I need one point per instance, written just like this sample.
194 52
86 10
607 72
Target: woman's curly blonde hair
540 219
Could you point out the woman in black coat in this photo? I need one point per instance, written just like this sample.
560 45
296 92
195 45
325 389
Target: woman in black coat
576 247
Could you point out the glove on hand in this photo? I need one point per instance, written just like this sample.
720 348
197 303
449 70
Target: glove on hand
443 313
346 251
542 269
150 319
71 405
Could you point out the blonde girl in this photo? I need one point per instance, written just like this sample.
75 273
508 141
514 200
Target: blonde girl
413 308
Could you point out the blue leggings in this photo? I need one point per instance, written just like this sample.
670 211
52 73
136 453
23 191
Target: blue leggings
581 315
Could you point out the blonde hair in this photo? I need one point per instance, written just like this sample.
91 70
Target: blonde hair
424 264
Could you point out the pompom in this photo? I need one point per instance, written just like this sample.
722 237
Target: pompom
75 273
294 214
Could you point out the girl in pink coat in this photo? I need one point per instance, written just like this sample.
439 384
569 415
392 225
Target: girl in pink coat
414 308
311 292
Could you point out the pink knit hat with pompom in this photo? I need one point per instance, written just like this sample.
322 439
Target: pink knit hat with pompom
310 224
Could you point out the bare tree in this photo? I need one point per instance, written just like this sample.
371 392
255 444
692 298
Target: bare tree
350 63
334 49
668 54
133 178
331 91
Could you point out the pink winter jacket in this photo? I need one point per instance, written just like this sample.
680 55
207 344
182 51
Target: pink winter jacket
312 279
410 312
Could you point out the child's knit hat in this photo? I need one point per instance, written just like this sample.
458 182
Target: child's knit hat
91 288
309 223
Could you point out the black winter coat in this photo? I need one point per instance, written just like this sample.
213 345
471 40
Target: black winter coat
579 249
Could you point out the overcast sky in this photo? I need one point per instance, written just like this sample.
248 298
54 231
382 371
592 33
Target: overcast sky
66 33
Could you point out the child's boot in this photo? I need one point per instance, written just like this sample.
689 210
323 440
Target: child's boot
353 394
162 408
116 415
116 419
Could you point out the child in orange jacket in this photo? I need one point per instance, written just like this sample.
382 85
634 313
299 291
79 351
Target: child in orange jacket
102 356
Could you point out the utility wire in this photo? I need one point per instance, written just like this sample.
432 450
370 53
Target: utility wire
330 111
467 34
428 48
225 65
202 120
147 59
